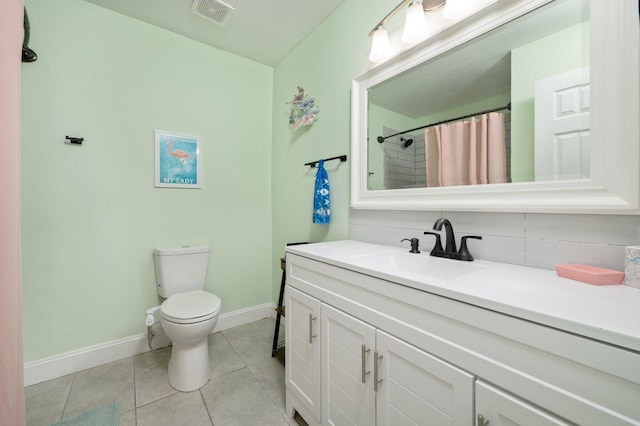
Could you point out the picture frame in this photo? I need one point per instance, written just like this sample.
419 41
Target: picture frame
177 160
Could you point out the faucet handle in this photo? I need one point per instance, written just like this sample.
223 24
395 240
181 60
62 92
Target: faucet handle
414 244
464 253
438 245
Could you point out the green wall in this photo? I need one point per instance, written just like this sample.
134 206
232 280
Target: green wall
91 215
324 64
470 108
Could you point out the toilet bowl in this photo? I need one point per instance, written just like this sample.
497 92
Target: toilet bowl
187 319
188 314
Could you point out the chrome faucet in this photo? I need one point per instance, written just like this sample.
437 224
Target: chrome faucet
450 251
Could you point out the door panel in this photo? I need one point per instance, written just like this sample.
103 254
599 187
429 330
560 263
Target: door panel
303 356
348 401
562 126
418 388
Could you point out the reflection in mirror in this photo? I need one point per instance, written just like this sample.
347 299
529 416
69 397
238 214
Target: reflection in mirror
532 74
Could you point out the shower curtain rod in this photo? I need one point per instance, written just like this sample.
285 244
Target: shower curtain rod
507 106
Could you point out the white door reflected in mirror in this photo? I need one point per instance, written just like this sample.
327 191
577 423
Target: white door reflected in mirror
563 107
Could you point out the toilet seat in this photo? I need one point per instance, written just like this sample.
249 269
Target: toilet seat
190 307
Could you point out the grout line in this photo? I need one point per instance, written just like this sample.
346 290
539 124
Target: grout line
206 407
66 402
135 393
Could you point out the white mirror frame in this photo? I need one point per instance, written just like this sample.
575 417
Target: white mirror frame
614 186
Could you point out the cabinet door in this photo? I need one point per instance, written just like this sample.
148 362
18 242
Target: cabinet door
495 407
303 349
420 389
347 360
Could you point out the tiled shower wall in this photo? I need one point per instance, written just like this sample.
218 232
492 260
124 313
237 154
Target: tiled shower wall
530 239
405 167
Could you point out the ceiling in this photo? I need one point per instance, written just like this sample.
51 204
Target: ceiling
264 31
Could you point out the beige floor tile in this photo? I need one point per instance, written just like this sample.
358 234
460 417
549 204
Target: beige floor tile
151 376
100 386
224 358
182 408
128 418
252 341
238 399
45 401
270 375
268 325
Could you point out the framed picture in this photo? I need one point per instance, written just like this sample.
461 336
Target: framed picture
177 161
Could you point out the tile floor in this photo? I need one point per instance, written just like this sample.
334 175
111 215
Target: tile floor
246 387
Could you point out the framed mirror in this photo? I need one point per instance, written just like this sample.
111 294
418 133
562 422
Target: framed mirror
556 84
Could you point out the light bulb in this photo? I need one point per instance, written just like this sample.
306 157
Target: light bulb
454 10
415 25
380 46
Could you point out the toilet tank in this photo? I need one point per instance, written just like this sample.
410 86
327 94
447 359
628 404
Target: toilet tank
181 269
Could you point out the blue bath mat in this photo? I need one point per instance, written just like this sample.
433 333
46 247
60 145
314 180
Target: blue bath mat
107 415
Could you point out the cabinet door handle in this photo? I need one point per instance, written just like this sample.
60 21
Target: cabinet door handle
376 371
482 421
364 363
311 335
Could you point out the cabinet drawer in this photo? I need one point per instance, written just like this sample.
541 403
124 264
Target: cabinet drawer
496 407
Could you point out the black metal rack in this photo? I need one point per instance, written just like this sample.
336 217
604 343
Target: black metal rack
278 351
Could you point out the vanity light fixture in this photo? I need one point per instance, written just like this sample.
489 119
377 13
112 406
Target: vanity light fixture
415 27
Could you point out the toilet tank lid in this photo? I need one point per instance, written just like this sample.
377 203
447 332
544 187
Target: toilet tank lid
181 250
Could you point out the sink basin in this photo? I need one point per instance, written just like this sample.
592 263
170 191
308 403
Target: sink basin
411 264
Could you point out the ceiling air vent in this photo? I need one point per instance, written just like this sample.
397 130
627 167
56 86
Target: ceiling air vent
213 10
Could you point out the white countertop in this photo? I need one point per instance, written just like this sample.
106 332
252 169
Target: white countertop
607 313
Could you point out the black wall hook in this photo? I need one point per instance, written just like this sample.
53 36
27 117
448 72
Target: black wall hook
75 141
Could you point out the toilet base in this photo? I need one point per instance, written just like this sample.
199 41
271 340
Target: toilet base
189 366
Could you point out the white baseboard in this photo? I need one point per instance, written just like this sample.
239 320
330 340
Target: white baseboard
92 356
245 316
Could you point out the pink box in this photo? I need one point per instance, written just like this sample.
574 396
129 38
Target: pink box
590 274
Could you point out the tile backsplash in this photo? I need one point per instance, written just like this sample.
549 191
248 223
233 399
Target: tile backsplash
530 239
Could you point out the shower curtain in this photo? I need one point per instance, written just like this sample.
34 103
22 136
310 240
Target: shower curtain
468 152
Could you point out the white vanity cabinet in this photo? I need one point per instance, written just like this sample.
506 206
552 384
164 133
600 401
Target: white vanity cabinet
368 377
444 360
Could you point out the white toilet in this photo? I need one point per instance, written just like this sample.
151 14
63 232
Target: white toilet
188 314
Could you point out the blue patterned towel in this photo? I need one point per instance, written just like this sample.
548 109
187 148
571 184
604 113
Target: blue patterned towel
321 200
